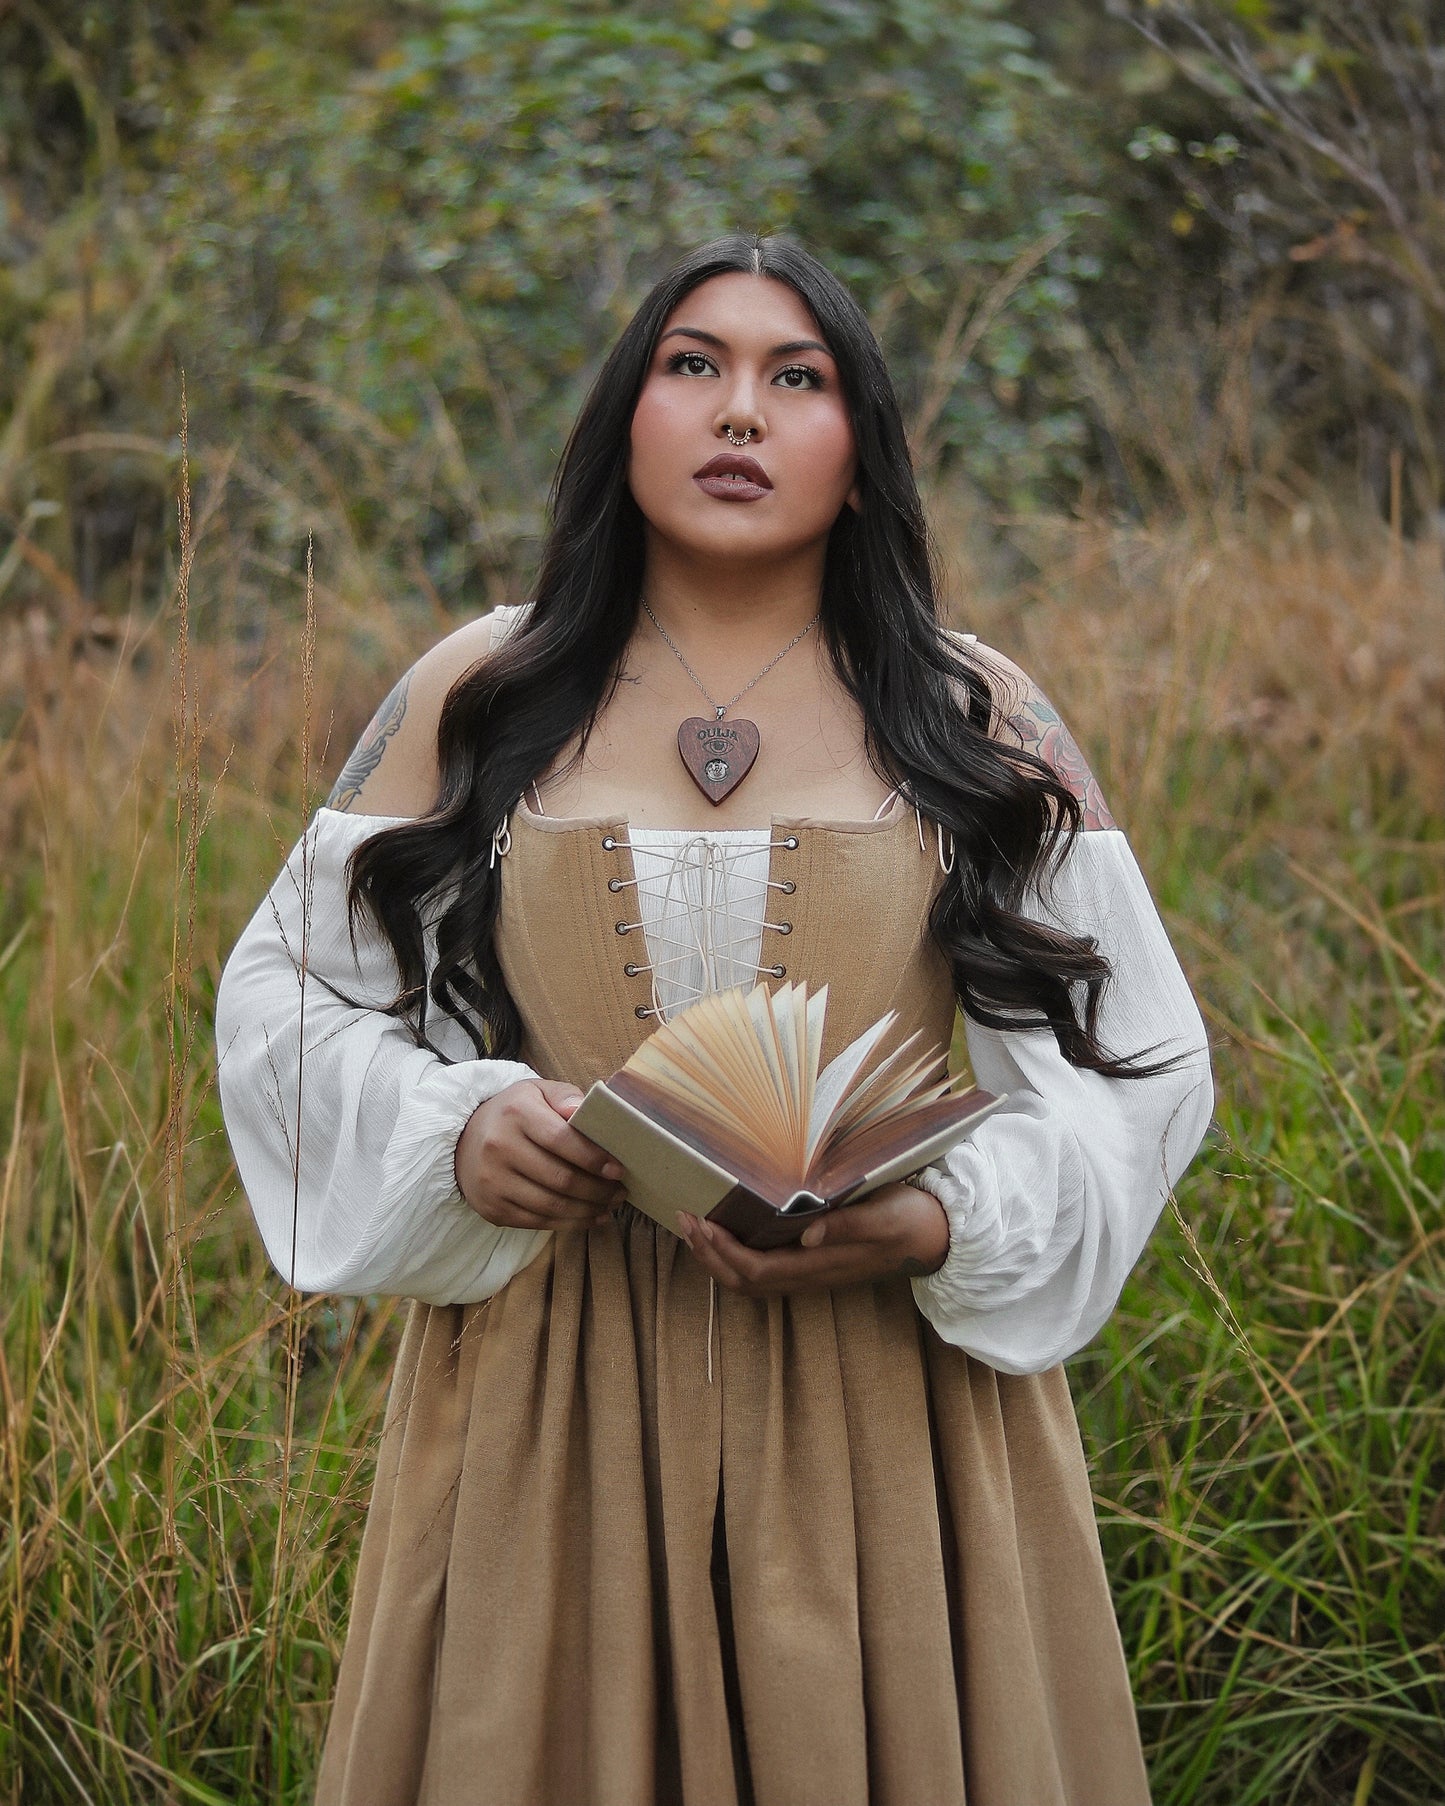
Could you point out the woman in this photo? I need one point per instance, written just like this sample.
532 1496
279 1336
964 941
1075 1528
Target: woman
660 1520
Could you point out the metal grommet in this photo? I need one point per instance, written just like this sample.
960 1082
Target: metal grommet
778 971
614 884
631 970
787 887
783 927
623 927
791 843
640 1011
608 843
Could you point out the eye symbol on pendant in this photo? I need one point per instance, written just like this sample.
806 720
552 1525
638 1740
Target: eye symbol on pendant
717 771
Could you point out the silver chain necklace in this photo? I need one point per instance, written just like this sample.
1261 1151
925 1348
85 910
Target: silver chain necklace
721 708
719 754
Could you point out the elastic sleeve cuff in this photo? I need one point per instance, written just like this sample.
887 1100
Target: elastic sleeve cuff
935 1292
421 1155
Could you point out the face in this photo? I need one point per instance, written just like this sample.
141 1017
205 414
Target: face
744 352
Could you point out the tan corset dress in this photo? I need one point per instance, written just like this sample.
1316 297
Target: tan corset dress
853 1567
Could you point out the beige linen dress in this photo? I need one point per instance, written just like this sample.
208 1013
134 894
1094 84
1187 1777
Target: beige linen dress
625 1550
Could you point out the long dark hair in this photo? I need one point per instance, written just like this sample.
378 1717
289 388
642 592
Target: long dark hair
927 707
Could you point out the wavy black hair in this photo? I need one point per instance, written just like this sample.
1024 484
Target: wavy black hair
928 707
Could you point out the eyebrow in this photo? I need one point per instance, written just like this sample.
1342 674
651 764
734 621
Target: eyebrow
789 349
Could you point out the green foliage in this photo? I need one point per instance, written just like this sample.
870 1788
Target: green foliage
450 215
389 244
1305 155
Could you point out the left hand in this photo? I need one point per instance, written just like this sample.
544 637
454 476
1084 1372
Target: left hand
897 1233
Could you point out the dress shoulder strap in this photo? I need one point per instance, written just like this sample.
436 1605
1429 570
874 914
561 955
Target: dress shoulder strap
506 619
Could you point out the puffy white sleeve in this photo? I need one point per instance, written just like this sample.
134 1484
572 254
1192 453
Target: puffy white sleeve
1051 1200
344 1130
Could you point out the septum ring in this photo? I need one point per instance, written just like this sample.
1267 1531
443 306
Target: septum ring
733 438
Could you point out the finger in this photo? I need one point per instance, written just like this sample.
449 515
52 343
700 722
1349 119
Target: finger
766 1271
553 1134
561 1096
513 1216
707 1256
869 1221
555 1175
544 1202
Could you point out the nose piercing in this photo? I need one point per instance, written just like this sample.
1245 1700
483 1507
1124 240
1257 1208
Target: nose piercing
733 439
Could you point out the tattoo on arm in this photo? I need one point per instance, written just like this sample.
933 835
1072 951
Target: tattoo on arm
1041 732
369 748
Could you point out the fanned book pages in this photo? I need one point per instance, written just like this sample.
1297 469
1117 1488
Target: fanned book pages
723 1112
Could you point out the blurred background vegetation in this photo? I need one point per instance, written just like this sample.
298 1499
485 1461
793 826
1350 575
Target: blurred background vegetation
1162 289
387 244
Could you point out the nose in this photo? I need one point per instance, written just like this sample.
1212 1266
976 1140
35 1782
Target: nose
740 418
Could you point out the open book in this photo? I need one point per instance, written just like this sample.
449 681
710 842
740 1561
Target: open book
723 1112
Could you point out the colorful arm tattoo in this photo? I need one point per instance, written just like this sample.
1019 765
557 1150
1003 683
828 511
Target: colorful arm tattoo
369 748
1040 731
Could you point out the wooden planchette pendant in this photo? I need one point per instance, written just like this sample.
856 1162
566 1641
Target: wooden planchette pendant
718 754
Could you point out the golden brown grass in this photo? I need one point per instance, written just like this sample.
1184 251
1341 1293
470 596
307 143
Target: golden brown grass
185 1453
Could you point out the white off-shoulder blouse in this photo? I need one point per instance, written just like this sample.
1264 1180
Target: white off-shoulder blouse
1049 1202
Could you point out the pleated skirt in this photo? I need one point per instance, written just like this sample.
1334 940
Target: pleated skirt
633 1545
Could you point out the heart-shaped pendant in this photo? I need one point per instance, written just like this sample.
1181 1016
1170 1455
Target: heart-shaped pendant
718 754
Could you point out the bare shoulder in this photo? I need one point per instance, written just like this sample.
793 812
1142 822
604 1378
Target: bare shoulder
1026 718
393 766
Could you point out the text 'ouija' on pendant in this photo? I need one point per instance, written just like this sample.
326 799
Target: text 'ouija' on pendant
718 754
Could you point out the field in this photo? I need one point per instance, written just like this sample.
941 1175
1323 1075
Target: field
186 1450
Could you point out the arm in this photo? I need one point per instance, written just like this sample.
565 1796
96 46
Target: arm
372 1164
394 764
1050 1202
343 1130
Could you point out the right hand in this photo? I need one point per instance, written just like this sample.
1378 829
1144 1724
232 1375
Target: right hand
521 1165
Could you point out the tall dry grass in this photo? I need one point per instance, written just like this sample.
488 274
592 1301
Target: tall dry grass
186 1449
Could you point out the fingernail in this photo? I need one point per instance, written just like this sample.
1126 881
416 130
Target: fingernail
684 1228
705 1227
612 1170
812 1235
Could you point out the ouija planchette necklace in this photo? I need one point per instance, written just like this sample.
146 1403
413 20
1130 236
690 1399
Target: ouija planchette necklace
719 753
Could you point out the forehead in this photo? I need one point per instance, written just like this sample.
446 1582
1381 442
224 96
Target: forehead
748 311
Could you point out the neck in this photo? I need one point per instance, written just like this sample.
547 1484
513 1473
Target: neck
740 605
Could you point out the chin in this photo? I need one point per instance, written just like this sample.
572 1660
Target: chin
741 548
742 540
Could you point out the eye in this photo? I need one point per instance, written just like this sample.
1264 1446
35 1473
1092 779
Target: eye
691 363
800 376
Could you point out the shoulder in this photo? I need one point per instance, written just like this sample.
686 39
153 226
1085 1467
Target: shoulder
393 768
1024 717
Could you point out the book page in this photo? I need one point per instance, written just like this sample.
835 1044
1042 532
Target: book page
836 1079
891 1090
894 1148
738 1072
725 1056
772 1045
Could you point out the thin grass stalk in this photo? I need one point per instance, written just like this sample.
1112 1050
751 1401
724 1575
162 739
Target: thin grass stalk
282 1557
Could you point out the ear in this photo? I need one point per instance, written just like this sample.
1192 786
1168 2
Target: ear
854 499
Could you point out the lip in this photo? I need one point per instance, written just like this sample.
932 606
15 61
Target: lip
730 477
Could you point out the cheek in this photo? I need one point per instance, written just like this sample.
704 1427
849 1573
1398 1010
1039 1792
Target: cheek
832 453
650 457
660 421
